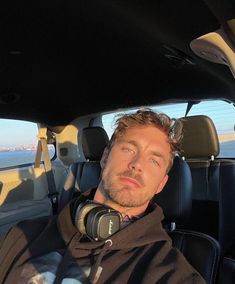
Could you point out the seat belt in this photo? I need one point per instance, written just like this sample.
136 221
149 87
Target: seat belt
43 149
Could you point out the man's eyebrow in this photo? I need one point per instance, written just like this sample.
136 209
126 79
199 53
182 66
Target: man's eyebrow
132 142
158 154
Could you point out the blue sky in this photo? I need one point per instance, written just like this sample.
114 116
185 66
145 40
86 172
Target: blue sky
15 133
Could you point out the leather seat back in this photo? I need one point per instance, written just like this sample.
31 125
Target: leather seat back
200 146
213 189
85 175
176 197
227 208
202 251
213 181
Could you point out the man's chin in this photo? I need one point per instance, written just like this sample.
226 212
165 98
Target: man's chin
126 198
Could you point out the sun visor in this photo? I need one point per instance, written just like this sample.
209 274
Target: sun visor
215 47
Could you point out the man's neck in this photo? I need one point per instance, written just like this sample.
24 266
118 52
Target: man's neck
125 211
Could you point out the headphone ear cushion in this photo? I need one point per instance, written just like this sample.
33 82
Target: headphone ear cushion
81 215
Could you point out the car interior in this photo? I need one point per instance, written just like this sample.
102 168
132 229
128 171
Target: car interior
70 68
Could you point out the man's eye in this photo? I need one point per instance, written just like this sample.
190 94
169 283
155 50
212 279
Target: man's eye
127 150
155 162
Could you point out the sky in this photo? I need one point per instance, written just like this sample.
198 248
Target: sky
16 133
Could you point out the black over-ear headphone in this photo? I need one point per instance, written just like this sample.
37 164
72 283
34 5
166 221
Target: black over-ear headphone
97 221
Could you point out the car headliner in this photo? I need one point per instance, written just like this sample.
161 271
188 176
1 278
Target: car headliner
64 59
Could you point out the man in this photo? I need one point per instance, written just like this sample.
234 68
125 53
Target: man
77 248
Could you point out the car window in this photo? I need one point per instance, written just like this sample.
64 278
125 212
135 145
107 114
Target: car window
221 112
18 143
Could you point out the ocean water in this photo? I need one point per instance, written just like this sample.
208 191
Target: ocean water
16 158
227 149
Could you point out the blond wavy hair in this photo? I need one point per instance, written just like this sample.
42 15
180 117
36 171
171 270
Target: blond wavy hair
145 117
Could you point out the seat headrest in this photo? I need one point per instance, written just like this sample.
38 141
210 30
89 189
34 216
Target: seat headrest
200 139
94 141
176 197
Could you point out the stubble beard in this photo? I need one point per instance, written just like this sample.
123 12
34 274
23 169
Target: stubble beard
123 196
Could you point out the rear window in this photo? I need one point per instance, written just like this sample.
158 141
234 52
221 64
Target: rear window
221 112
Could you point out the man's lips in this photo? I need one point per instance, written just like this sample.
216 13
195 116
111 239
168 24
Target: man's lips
130 180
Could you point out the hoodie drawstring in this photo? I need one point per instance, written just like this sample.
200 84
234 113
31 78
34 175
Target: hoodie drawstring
62 268
96 269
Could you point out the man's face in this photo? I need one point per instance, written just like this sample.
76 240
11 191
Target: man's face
135 168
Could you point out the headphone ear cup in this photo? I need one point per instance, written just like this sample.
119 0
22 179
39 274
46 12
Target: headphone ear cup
81 216
102 222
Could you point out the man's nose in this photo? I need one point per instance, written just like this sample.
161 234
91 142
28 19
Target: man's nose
136 163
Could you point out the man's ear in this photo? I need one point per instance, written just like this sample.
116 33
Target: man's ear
162 184
104 158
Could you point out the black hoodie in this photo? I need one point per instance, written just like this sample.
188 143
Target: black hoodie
141 252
